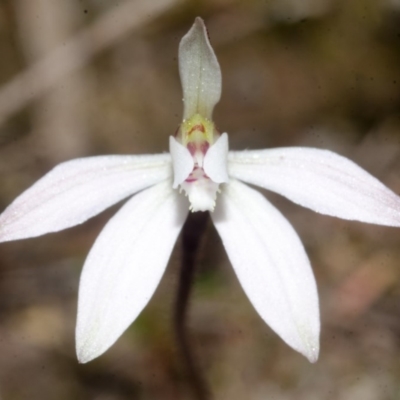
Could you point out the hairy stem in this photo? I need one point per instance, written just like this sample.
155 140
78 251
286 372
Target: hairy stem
191 234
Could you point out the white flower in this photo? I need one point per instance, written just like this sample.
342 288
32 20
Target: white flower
129 257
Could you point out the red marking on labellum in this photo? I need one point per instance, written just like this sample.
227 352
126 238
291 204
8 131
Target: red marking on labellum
196 174
204 147
192 148
199 127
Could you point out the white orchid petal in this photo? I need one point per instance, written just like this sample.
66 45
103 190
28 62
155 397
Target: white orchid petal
125 266
76 190
321 180
182 161
271 265
215 163
199 71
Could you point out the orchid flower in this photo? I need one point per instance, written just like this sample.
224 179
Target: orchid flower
199 174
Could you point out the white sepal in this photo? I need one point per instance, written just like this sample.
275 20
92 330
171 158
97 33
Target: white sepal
271 264
125 266
215 163
199 71
321 180
76 190
182 161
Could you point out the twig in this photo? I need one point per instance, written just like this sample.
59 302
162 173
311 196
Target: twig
191 235
76 52
59 120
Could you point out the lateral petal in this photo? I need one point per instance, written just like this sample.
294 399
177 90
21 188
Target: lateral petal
76 190
215 161
199 71
125 266
182 161
271 264
321 180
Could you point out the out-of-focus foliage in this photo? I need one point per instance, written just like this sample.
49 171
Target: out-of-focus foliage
322 73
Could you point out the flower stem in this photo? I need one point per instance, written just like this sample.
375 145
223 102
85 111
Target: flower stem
191 234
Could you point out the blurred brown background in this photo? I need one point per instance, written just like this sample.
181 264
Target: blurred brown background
86 77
